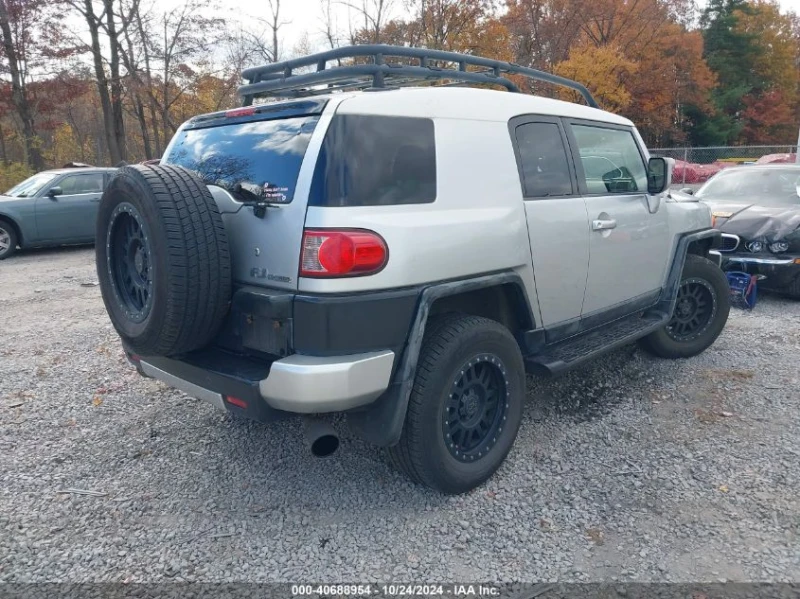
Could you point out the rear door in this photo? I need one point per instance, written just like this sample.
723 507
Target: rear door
556 217
260 154
71 215
628 245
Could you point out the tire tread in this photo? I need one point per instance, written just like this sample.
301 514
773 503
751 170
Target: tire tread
442 332
197 258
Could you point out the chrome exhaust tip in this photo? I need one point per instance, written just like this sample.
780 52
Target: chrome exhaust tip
320 437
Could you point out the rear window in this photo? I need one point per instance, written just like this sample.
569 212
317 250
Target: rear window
265 155
375 161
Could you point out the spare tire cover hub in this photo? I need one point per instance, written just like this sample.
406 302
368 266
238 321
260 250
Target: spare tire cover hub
129 262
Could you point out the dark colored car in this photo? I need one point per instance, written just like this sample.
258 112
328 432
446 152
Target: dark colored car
51 208
758 208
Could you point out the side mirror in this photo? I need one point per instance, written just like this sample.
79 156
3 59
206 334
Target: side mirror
55 191
688 191
658 175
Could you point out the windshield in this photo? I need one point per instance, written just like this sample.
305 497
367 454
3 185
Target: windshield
31 186
263 157
766 187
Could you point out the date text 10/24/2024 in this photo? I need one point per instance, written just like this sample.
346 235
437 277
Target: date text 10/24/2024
394 590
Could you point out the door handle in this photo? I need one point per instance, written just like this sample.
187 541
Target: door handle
604 225
95 200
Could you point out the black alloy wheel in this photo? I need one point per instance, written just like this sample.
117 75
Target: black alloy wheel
130 263
702 304
474 414
695 307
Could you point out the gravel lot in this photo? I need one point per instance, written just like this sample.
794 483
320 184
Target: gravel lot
633 469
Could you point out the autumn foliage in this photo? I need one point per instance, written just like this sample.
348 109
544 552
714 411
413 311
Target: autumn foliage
119 88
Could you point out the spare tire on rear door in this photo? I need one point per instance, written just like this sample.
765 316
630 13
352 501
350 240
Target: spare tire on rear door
162 259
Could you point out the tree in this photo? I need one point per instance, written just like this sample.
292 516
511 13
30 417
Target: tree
776 44
101 22
604 70
17 20
767 118
731 54
637 57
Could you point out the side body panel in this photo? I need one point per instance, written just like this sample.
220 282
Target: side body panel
559 239
476 224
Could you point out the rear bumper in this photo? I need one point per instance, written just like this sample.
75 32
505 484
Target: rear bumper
312 384
296 384
280 352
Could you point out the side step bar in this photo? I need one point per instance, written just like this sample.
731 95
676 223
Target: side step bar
564 355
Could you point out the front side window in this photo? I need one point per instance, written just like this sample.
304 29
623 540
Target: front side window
543 160
369 160
78 184
611 160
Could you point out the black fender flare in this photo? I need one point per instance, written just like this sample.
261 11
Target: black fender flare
669 293
381 423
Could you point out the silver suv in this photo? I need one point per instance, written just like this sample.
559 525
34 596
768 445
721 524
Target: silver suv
403 255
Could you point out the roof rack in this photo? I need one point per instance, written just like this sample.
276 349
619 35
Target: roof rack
279 80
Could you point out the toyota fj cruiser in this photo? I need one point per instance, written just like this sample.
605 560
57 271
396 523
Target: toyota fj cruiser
403 256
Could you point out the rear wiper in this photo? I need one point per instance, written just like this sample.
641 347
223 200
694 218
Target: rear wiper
247 197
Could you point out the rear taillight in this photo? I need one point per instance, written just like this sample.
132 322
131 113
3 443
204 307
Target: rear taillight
342 253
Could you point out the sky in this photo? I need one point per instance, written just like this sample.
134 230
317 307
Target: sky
305 17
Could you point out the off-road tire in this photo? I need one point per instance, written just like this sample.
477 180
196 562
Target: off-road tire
661 343
6 228
184 257
450 343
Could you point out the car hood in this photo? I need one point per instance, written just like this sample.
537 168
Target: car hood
751 221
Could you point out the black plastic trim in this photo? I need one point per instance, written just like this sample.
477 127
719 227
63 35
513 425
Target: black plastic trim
224 373
669 294
335 325
578 326
267 112
260 320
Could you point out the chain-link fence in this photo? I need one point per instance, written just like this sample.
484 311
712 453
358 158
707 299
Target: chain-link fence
695 166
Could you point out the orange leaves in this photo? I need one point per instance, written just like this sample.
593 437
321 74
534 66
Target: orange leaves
636 57
768 117
604 70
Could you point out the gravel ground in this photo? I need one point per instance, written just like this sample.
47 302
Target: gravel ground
632 469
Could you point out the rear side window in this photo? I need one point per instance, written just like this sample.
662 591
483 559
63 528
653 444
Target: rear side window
375 161
77 184
263 156
543 160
